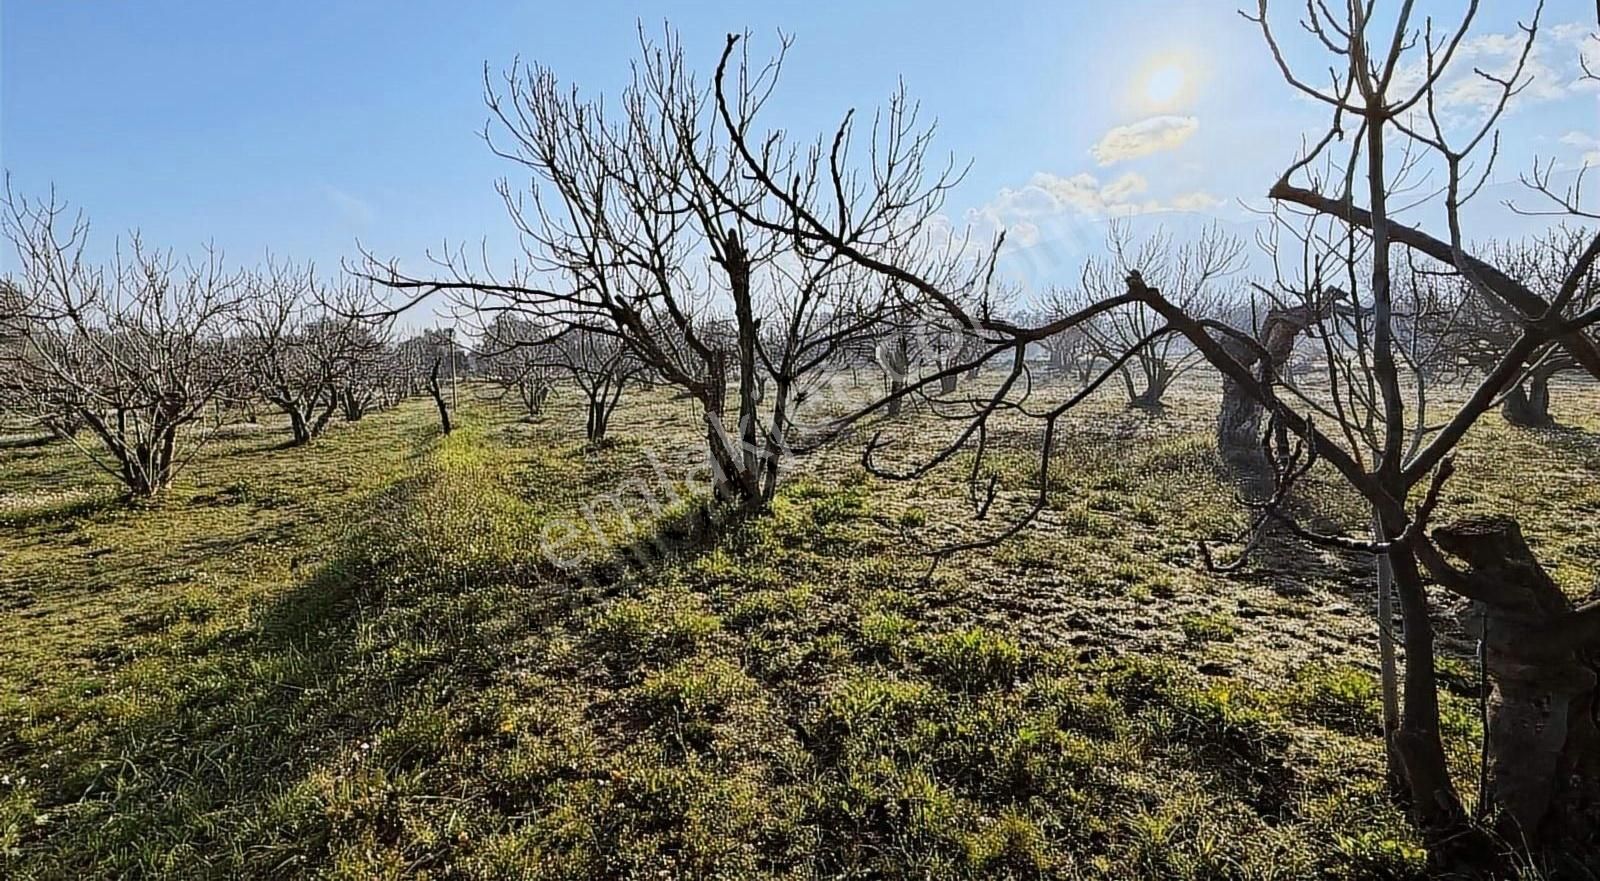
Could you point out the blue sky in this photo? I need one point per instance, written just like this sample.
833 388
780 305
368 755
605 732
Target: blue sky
301 127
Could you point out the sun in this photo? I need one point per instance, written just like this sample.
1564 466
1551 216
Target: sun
1165 84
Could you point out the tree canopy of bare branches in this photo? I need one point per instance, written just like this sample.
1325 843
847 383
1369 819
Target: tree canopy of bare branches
311 352
644 232
1194 274
137 349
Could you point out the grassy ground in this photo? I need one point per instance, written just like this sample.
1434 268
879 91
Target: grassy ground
360 659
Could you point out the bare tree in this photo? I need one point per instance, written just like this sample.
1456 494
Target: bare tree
58 412
437 391
1468 329
306 345
513 354
601 365
1073 351
361 386
1543 784
1192 272
638 221
136 350
431 362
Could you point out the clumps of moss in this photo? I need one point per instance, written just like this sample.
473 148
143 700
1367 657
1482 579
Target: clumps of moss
840 506
885 635
1377 854
1079 708
1234 728
643 819
870 711
883 818
1010 846
691 698
763 606
913 517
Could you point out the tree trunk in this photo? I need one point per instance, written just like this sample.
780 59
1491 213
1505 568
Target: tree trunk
1543 736
1239 419
438 398
534 394
1434 804
777 439
1528 403
355 405
1155 389
1239 428
298 427
319 423
737 263
599 416
895 360
730 482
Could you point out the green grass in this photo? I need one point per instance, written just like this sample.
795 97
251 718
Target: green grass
354 660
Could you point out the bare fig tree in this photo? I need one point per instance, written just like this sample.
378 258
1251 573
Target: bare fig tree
1543 782
513 354
307 345
1073 352
1196 273
635 229
1469 329
137 350
433 362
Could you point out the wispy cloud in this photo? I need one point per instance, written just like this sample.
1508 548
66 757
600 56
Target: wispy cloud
1552 71
352 208
1048 200
1587 144
1157 134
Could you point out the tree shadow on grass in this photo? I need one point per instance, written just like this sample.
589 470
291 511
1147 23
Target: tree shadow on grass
1571 442
1288 564
61 513
223 764
25 441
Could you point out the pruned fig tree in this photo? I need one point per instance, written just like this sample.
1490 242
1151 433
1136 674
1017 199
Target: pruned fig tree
638 228
137 350
307 346
1197 275
1470 328
512 353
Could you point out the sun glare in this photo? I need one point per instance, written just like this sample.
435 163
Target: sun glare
1165 84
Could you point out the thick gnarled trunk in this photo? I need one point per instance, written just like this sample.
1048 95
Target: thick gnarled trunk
1543 734
1528 403
1239 420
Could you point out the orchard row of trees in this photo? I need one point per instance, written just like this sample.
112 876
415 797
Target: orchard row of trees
675 216
140 360
671 236
141 351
